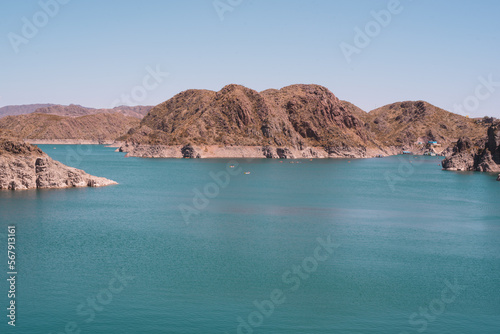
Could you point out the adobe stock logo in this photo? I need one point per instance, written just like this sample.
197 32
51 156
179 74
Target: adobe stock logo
139 93
483 91
421 320
363 37
96 303
211 190
30 28
292 280
223 6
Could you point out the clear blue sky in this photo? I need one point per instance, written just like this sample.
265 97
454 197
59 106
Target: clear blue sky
91 52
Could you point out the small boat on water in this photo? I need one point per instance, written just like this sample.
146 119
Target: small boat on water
247 173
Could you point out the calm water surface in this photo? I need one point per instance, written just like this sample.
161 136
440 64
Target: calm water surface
417 248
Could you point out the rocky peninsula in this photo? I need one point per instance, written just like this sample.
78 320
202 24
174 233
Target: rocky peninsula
24 166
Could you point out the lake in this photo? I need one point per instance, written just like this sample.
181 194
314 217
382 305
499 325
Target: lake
391 245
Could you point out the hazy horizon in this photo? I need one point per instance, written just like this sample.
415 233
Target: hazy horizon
148 105
370 53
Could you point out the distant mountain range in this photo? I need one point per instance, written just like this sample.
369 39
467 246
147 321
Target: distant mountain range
298 121
94 127
21 109
72 110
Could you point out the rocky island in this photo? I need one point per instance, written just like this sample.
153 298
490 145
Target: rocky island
24 166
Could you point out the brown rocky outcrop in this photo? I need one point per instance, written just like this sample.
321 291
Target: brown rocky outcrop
188 151
412 124
24 166
298 121
484 156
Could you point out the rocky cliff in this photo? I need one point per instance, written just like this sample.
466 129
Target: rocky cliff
483 155
24 166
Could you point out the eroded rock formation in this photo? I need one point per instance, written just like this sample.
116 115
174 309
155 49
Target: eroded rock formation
24 166
484 156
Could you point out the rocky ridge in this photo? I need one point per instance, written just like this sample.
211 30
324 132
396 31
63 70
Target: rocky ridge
298 121
14 110
38 127
412 124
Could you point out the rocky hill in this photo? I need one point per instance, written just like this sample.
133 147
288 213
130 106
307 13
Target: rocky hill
405 124
355 110
24 166
95 127
483 155
295 121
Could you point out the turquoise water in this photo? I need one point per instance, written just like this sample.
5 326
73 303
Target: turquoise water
417 253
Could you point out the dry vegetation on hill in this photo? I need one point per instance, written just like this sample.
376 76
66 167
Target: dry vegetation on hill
53 127
410 122
297 116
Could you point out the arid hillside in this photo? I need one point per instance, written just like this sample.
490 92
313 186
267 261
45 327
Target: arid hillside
52 127
21 109
296 116
294 121
405 124
76 110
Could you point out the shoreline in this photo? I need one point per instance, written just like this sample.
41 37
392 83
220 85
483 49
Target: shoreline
251 152
232 152
72 142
